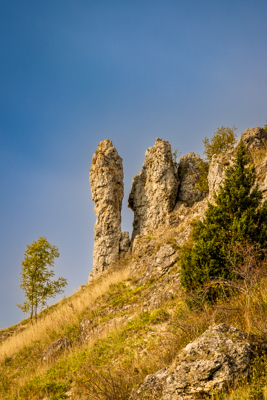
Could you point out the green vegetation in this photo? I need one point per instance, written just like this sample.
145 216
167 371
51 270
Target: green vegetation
36 273
175 154
236 218
202 183
223 140
137 326
123 352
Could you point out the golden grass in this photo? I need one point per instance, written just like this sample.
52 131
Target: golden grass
41 368
66 312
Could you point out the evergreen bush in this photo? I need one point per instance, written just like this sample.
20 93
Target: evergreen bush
237 217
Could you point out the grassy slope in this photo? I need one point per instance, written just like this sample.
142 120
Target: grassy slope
129 339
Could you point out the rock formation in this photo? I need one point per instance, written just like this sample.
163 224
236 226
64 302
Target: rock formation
154 189
255 140
106 178
212 363
188 176
55 348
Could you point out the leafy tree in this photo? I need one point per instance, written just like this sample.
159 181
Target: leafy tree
265 127
236 218
223 139
36 273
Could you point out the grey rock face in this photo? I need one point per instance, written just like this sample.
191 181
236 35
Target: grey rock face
106 179
254 139
261 170
189 175
211 363
154 189
159 265
55 348
216 174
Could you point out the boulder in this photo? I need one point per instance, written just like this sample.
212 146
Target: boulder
55 348
154 189
106 179
212 363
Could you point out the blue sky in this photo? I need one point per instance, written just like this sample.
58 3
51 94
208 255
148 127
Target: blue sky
73 73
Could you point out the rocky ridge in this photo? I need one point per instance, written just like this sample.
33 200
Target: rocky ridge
161 188
140 322
157 192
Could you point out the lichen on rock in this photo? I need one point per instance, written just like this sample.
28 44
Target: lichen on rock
213 363
106 179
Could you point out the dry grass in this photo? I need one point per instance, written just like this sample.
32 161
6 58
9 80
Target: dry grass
41 368
65 313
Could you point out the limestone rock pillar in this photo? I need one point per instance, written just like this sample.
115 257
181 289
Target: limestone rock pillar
154 189
106 179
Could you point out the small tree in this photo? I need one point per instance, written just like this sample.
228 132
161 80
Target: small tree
223 139
236 217
36 273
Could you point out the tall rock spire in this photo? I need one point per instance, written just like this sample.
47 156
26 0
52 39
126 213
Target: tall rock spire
106 179
154 189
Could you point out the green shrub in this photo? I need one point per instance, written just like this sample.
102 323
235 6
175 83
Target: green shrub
236 218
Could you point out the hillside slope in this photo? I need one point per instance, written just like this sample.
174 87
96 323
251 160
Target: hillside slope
131 320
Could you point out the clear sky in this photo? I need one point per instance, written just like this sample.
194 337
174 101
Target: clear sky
73 73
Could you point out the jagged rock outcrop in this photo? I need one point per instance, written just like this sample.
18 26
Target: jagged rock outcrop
255 140
154 189
212 363
189 175
55 348
106 179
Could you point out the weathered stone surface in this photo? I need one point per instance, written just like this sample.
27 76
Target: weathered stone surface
106 178
261 170
255 139
154 189
55 348
124 242
160 264
212 363
189 174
